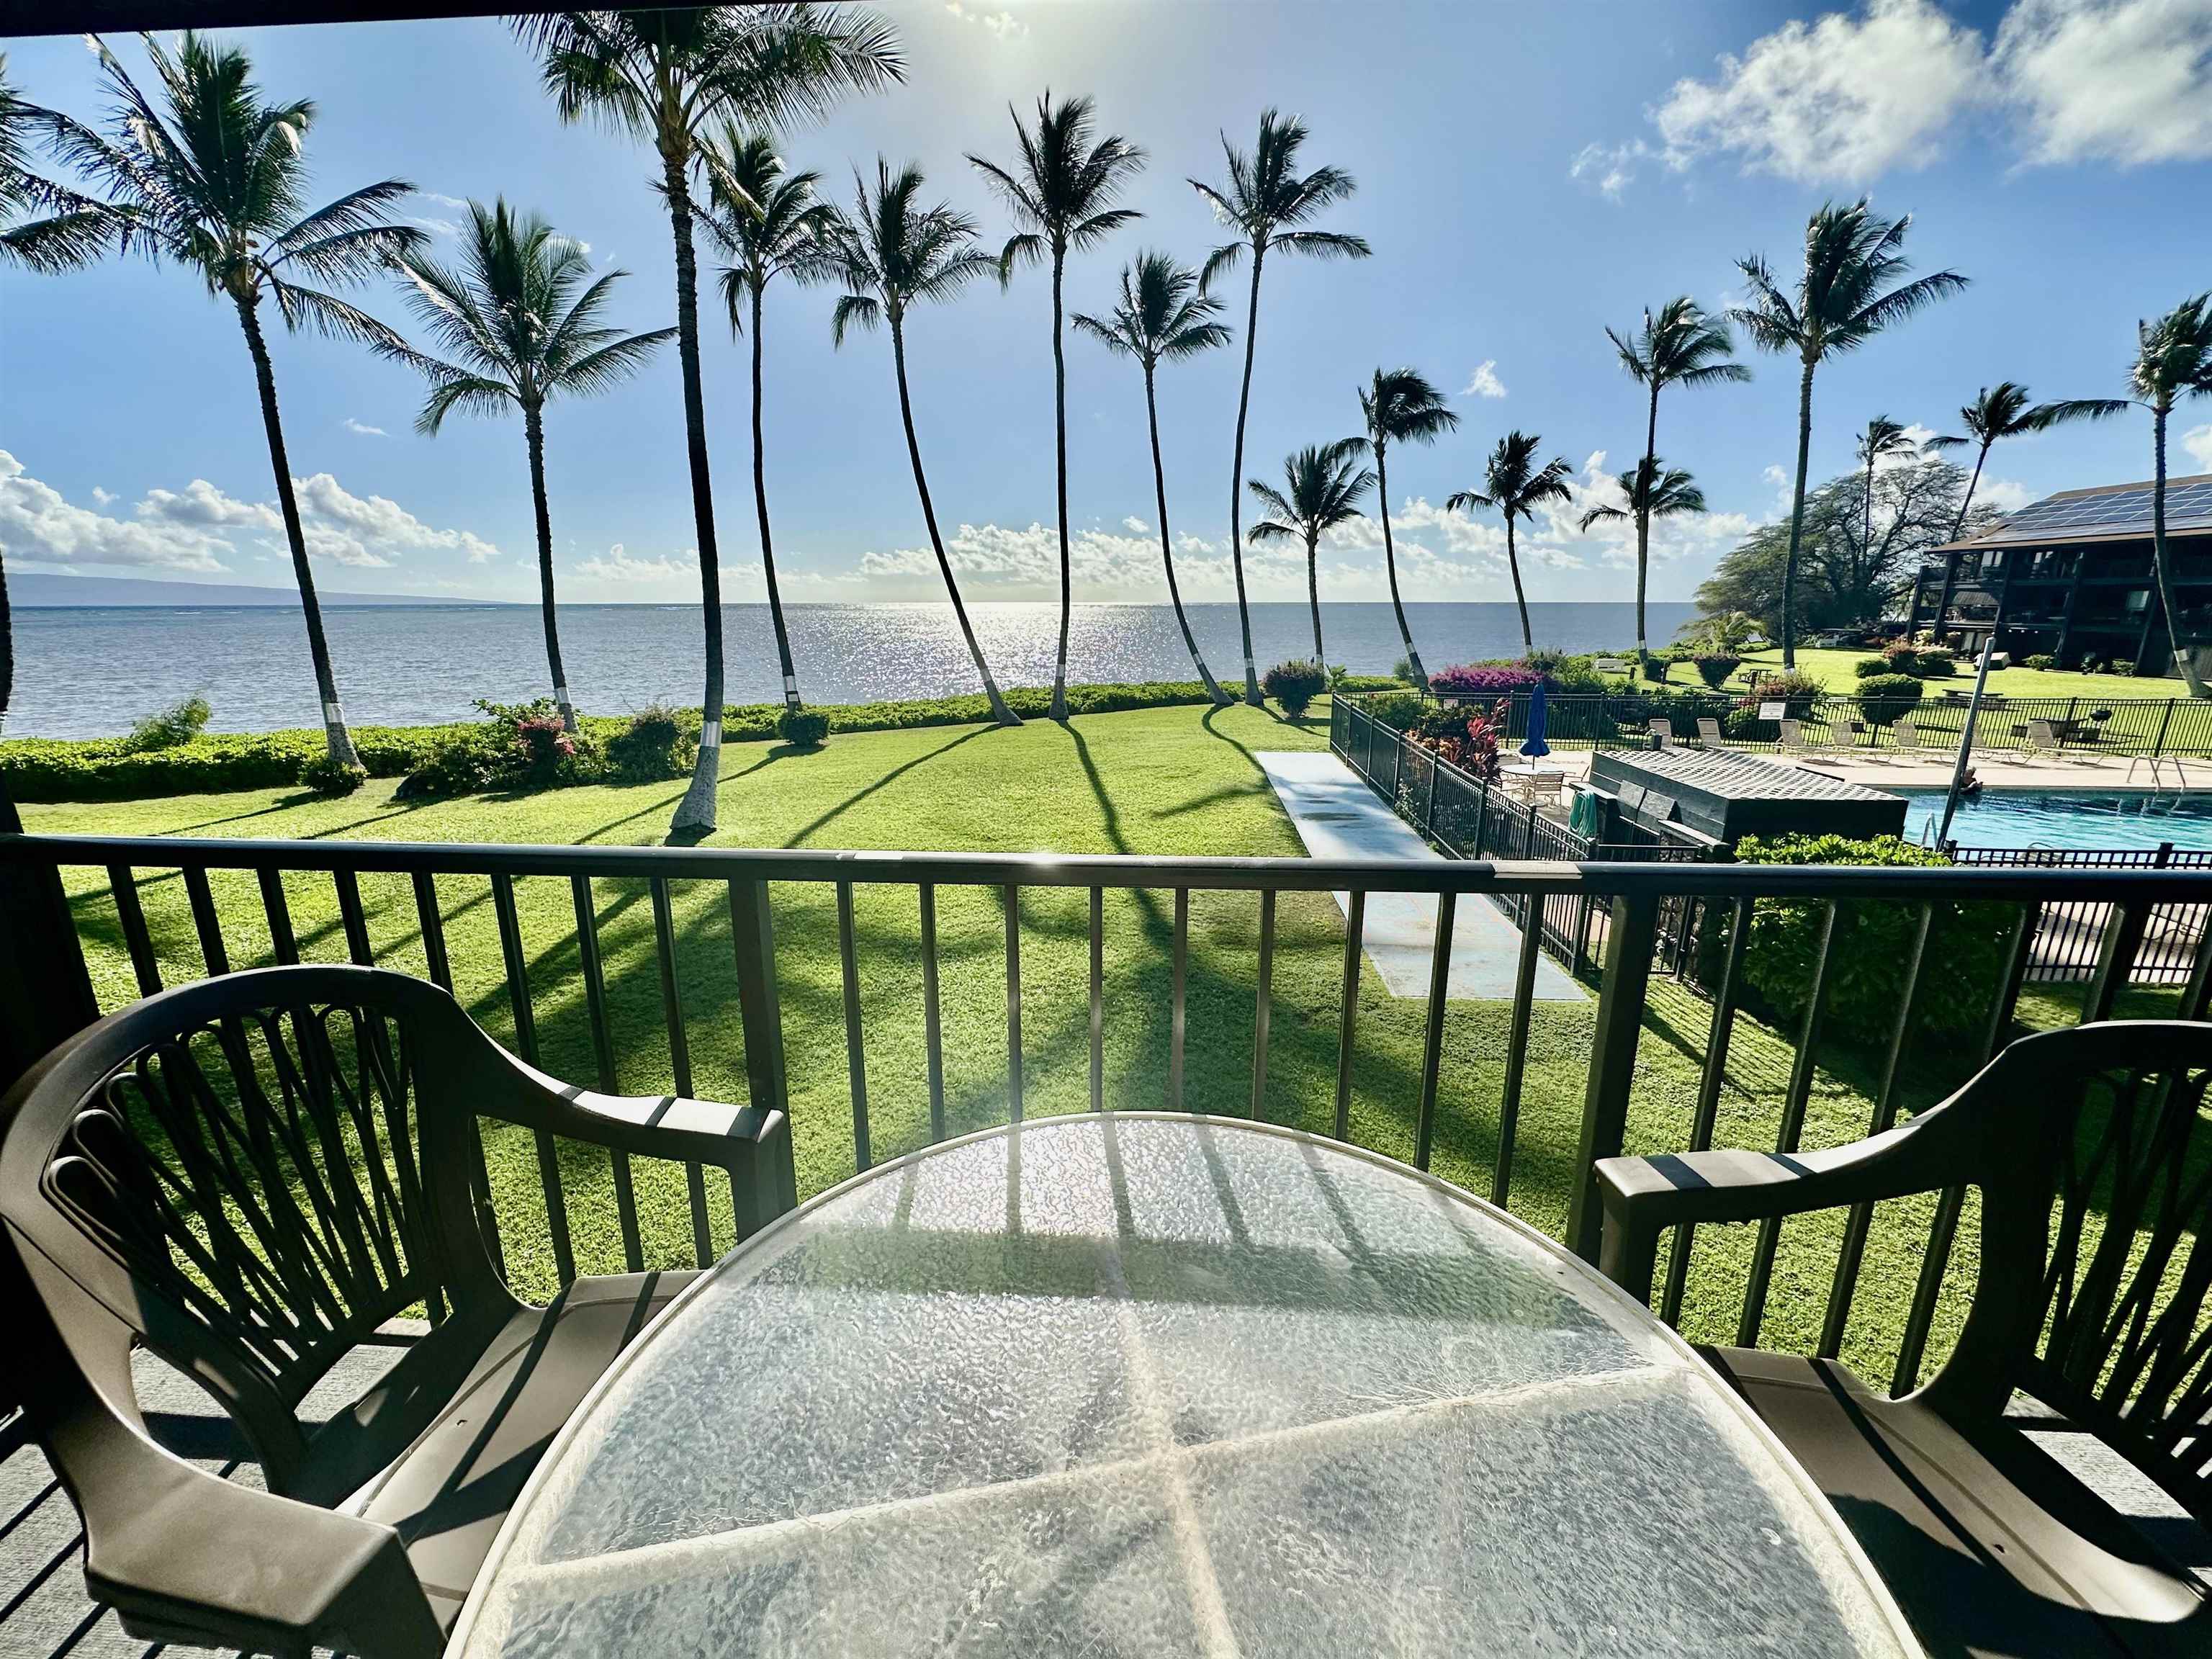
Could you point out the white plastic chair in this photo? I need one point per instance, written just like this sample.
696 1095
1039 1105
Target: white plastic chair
1904 733
1708 732
1664 729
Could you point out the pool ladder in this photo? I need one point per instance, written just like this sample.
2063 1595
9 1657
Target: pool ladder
2159 783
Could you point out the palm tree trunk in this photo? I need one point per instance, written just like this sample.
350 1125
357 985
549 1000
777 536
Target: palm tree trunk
1390 565
533 428
999 711
1220 698
760 505
7 624
1643 520
1796 522
2184 659
1520 598
1959 528
1313 593
1866 530
1060 435
318 649
694 814
1237 483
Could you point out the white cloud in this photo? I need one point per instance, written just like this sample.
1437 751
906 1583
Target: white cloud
1612 167
1484 382
363 429
617 565
1135 526
365 530
2009 494
2197 441
2124 81
1844 98
38 526
103 496
1003 24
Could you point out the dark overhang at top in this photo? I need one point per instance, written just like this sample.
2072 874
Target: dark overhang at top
2108 513
30 17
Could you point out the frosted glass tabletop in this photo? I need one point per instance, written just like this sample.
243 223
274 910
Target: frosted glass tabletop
1151 1385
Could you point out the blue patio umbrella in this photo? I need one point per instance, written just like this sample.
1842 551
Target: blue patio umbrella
1535 745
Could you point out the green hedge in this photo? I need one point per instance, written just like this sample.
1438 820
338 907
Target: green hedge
108 768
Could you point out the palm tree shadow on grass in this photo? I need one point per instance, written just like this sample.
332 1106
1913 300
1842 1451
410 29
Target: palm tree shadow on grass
887 777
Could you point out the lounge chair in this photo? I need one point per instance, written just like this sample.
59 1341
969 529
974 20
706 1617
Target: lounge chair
1789 737
1904 735
1664 729
1708 732
1844 734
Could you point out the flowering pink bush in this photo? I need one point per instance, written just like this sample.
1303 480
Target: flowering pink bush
541 745
1468 742
1483 679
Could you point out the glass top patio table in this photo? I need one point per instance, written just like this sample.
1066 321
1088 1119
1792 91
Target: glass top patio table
1144 1385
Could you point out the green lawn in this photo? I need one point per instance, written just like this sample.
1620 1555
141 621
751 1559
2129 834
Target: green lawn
1834 670
1173 780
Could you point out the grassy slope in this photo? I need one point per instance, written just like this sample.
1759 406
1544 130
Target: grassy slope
1177 780
1833 669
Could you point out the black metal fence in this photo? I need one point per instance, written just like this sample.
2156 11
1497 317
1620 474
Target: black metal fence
2069 939
2133 728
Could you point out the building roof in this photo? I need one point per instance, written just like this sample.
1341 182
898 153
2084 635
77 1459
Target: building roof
2108 513
1735 776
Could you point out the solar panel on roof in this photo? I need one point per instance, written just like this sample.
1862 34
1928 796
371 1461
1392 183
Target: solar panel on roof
2111 513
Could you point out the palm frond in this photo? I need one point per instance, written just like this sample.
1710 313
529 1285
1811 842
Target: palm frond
853 310
614 363
465 394
333 319
1321 244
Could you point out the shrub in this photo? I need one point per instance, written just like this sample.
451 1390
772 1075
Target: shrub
1402 669
650 746
1401 711
2042 659
1547 660
539 747
1295 684
1656 667
1469 741
802 728
458 765
1884 697
1799 691
1866 668
1484 680
2122 665
331 777
1937 668
170 727
1961 972
1714 669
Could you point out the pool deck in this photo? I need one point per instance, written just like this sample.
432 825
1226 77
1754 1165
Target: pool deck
2100 774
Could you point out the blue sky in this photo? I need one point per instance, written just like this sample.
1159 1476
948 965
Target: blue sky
1525 176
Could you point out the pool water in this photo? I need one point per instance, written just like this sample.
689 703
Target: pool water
2029 817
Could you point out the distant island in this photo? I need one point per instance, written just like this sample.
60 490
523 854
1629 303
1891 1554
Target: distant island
35 588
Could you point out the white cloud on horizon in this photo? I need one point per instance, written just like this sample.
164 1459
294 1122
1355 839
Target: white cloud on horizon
617 564
2197 441
1484 382
361 429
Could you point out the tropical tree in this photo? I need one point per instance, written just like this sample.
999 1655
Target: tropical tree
771 225
1852 288
1322 484
213 179
1514 484
44 225
1162 316
1268 203
1399 403
892 254
1883 440
668 77
519 324
2003 410
1062 193
2174 360
1678 345
1651 492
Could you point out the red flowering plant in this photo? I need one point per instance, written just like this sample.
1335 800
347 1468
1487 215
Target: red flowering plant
540 745
1469 741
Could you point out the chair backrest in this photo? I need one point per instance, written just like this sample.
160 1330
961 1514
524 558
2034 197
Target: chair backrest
248 1176
1709 729
1662 729
2096 1155
1792 734
1843 734
1904 731
2042 734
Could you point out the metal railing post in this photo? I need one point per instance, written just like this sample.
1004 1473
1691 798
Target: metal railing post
752 932
46 990
1628 947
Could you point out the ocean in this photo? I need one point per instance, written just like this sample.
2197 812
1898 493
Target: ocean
91 671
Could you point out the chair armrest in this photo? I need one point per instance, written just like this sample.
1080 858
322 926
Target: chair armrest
651 1125
184 1556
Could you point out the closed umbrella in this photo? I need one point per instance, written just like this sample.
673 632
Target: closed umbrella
1535 745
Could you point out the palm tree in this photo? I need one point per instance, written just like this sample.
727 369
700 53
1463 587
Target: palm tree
1513 484
1852 288
1680 345
667 77
1399 403
1651 493
1883 439
772 225
1162 316
66 229
1061 193
523 321
2003 410
1322 487
890 255
214 183
1266 200
2174 360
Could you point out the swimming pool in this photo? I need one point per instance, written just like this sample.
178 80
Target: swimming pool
2032 818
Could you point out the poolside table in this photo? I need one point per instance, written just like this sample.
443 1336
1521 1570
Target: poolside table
1147 1385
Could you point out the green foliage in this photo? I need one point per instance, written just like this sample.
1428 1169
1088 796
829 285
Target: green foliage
1960 975
1799 691
1866 668
1655 666
1401 711
650 746
802 728
168 727
1886 697
1295 684
2122 665
458 765
2040 659
330 777
1939 666
1715 667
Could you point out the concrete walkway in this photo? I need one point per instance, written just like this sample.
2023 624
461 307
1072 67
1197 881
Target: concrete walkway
1339 817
